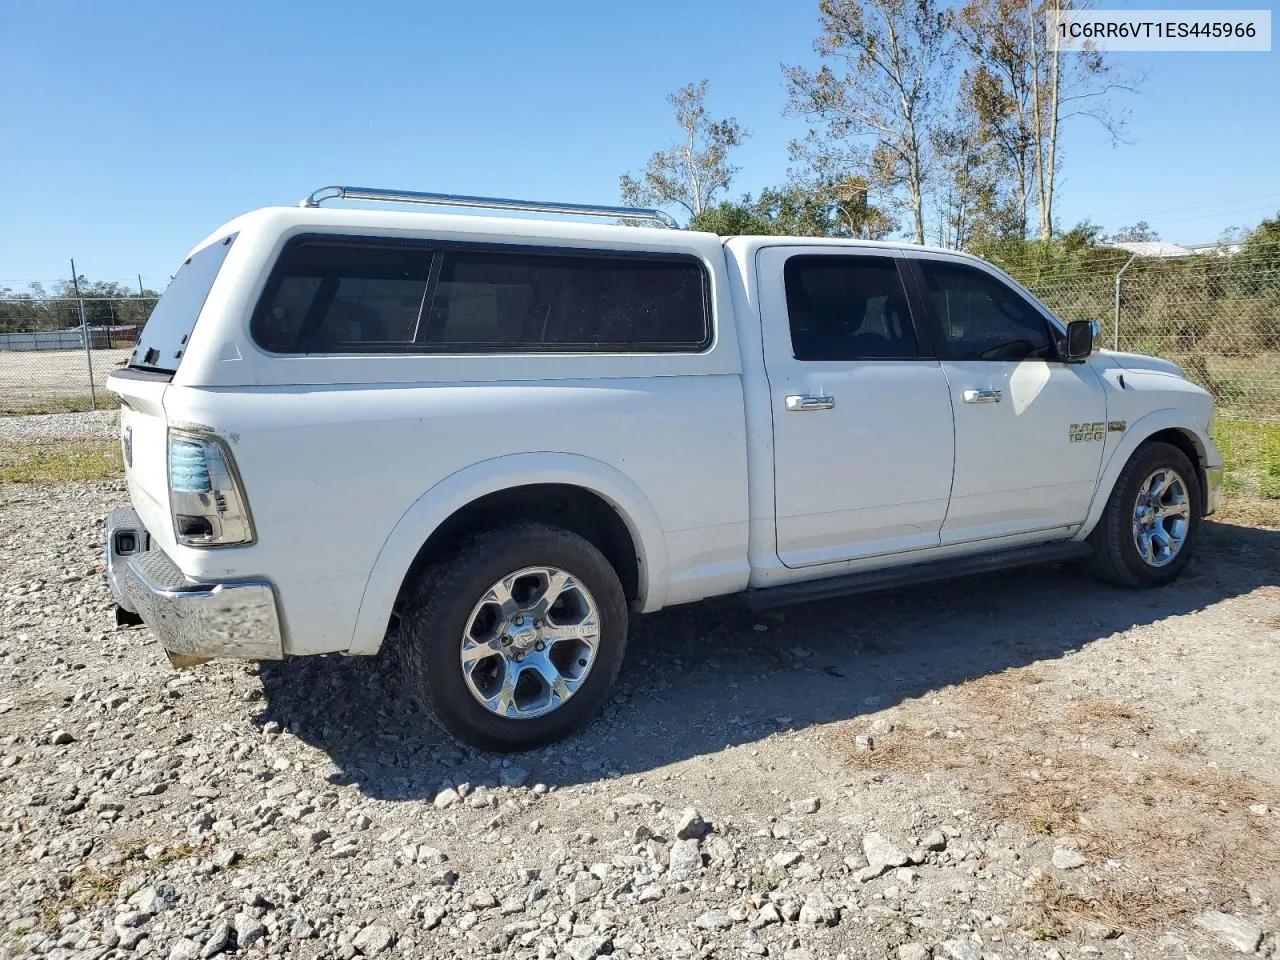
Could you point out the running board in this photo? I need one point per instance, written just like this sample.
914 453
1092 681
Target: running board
906 576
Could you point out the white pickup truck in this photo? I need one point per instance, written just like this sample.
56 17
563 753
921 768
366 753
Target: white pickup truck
485 441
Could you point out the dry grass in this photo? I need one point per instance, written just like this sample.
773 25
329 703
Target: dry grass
1184 747
1056 912
84 889
64 461
1248 513
88 887
1174 833
1099 713
79 403
179 851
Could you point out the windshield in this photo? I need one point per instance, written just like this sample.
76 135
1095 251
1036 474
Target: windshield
163 340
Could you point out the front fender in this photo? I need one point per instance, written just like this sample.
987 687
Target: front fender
492 476
1136 433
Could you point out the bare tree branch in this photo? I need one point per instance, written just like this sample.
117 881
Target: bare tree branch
690 173
876 119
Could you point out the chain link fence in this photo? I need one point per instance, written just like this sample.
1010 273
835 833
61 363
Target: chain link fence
56 352
1215 315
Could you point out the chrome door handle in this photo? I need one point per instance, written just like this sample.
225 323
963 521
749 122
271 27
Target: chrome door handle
802 404
982 396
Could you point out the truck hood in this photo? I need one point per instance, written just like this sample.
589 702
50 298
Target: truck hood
1138 361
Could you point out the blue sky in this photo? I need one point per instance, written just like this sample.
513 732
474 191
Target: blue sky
132 130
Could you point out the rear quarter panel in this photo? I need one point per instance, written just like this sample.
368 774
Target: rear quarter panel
330 472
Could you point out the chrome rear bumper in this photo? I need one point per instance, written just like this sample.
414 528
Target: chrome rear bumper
193 621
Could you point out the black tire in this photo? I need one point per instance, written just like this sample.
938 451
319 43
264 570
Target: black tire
1116 556
440 605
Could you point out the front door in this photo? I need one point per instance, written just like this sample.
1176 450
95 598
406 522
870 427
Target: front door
1029 428
862 425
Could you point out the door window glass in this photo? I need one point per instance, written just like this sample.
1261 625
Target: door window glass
848 307
983 318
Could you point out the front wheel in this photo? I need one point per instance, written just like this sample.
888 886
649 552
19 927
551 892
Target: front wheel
515 639
1148 529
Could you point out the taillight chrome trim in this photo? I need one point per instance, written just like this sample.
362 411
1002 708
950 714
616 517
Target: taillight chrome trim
224 505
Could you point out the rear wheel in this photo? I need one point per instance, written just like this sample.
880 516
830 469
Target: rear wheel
515 639
1149 527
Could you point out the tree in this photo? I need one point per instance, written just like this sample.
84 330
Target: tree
1264 238
106 303
1077 252
1021 89
850 212
1140 232
689 173
1078 85
23 311
795 211
848 194
877 110
995 99
730 218
1257 265
970 201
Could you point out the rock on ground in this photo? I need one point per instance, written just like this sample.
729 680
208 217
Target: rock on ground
1239 933
1065 859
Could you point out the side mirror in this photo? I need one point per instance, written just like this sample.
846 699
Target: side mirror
1078 343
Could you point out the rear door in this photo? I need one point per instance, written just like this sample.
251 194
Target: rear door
1029 428
862 423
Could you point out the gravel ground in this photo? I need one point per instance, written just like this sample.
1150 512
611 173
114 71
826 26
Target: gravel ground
1030 765
97 425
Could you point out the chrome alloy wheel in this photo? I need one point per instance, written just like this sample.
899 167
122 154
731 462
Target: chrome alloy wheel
1161 517
530 642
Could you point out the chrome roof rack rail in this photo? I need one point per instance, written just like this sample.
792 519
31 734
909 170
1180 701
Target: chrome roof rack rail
487 203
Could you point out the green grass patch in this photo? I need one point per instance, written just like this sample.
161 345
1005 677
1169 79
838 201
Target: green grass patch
77 403
1251 457
65 461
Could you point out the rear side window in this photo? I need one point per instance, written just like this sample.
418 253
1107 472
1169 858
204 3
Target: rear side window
329 296
848 307
339 298
163 340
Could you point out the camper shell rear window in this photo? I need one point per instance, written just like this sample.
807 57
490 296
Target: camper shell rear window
163 340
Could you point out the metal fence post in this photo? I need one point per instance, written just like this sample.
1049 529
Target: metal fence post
84 331
1119 288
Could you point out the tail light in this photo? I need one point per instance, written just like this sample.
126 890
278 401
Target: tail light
205 496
